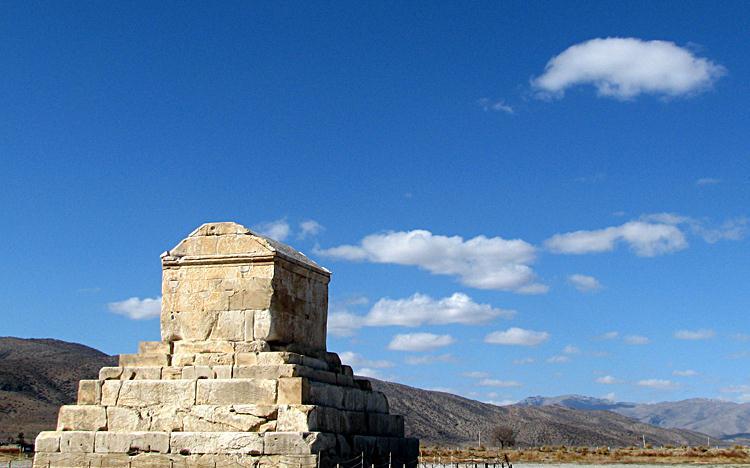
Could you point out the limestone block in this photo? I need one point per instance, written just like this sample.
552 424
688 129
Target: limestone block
82 418
346 381
197 372
153 347
255 346
181 360
48 441
140 360
141 373
214 359
263 326
388 425
265 372
110 373
236 391
216 442
214 418
165 418
294 391
124 442
171 373
249 325
230 326
110 391
89 392
295 443
121 419
326 395
354 399
77 442
137 393
222 372
318 375
261 411
65 460
347 370
363 384
203 346
315 363
296 418
376 402
246 359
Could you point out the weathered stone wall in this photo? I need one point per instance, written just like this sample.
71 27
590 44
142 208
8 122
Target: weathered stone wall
240 378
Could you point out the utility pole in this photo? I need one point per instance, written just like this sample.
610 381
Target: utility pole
644 440
480 439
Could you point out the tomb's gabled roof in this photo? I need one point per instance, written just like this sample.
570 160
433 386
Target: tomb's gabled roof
229 239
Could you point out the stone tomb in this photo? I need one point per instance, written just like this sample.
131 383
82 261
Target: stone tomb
241 377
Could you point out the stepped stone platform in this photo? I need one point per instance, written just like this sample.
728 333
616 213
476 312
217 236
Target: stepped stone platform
241 377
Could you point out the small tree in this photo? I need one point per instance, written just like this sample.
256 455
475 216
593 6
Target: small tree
503 436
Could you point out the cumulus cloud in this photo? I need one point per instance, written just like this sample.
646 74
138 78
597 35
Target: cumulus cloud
612 335
637 340
419 342
357 360
524 361
480 262
646 239
584 283
658 384
278 230
137 308
517 336
429 359
624 68
416 310
685 373
421 309
488 104
694 335
309 227
499 383
607 380
570 349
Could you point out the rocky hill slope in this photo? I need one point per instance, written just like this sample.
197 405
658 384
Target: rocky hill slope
39 375
443 418
724 420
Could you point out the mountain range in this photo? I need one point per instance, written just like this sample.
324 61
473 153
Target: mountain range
39 375
720 419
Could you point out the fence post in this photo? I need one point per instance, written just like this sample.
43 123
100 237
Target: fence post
362 460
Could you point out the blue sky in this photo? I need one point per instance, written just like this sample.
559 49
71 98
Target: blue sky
515 198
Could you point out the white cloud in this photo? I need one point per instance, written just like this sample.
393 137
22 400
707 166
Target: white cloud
707 181
137 308
476 374
636 340
357 360
558 359
343 323
421 309
611 396
517 336
694 335
488 104
685 373
480 262
731 229
570 349
524 361
278 230
612 335
370 372
584 283
309 227
623 68
499 383
646 239
429 359
419 342
658 384
607 380
418 309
